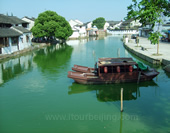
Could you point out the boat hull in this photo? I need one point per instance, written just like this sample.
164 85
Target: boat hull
83 69
92 78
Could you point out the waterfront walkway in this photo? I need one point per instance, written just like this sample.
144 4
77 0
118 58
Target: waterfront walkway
147 50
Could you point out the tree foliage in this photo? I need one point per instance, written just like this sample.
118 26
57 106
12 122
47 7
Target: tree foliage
49 24
99 22
149 12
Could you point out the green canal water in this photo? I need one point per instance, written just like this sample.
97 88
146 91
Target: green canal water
37 97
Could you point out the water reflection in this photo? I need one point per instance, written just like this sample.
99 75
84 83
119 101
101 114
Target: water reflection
15 67
167 74
83 41
53 59
111 92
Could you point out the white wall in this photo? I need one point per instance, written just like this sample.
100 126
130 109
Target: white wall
106 25
114 26
75 35
24 44
7 50
135 23
1 74
73 23
82 31
31 22
30 25
122 32
77 31
89 25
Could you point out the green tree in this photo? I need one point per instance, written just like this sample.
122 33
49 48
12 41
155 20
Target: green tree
49 24
149 12
99 22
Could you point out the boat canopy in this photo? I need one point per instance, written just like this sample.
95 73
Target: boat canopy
115 61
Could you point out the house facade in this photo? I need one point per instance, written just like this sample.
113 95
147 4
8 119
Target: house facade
127 27
144 31
79 29
14 35
163 28
30 21
112 25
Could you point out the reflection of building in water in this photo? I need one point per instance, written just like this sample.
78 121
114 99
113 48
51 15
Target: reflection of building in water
1 80
111 92
15 67
77 42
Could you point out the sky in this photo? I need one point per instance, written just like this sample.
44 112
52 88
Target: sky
83 10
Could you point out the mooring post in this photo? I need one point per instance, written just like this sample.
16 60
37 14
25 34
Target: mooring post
121 99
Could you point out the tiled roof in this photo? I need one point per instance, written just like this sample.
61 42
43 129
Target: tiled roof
129 20
11 20
22 29
33 19
8 32
113 22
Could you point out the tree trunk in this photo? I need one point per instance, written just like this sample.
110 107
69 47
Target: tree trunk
158 47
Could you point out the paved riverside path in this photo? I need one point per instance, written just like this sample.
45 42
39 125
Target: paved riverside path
149 50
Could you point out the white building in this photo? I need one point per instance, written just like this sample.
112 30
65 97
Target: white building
112 25
13 35
31 23
127 27
144 31
164 26
14 39
89 25
79 30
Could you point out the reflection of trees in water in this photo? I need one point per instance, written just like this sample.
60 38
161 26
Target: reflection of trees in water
111 92
167 74
51 58
15 67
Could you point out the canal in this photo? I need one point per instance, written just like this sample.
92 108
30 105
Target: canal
37 97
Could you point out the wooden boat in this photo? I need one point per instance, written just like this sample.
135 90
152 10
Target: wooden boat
112 70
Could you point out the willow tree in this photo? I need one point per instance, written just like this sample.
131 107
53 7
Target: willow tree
149 12
49 24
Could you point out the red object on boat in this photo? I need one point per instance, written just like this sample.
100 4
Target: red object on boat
105 70
118 69
130 68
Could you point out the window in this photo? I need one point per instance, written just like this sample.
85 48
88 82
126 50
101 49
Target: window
14 41
27 38
25 25
4 42
21 39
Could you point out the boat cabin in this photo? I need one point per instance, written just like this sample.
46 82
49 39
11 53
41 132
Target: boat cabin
116 65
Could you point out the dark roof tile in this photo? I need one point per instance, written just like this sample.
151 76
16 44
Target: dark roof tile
11 20
22 29
8 32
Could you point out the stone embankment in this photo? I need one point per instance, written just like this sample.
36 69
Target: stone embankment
147 51
18 53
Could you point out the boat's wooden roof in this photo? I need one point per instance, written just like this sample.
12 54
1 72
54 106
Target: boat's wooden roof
115 61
